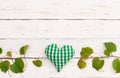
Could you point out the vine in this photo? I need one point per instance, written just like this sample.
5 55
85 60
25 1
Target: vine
17 65
98 62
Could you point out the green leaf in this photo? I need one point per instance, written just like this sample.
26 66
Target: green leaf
17 66
110 46
37 63
116 65
107 53
0 50
86 52
81 64
9 54
23 49
97 63
4 66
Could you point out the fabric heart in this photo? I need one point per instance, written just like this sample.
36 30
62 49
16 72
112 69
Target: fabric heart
59 57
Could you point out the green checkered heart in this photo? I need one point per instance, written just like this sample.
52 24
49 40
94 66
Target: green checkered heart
59 57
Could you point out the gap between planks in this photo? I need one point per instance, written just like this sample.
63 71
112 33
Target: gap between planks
52 38
48 19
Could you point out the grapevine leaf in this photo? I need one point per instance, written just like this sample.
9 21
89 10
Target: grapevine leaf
4 66
23 49
17 66
97 63
116 65
37 63
110 46
86 52
107 53
9 54
0 50
81 64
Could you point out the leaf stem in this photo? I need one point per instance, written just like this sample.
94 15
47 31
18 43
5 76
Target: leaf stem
46 57
100 57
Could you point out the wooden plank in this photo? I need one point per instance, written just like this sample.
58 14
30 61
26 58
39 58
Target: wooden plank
60 9
79 23
70 70
59 29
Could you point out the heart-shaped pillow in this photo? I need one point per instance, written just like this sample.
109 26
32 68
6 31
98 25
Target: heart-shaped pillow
59 57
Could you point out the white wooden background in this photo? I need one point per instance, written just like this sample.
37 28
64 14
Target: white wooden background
79 23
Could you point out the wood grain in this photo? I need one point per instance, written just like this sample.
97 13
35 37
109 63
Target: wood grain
60 9
59 29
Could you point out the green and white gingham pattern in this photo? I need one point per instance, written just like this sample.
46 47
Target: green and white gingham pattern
59 57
